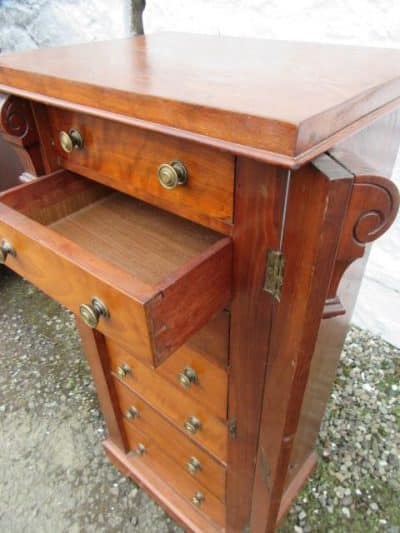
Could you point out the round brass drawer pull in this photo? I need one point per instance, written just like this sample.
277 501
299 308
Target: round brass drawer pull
198 498
123 371
72 140
173 174
192 424
132 413
193 466
5 250
91 313
140 449
188 377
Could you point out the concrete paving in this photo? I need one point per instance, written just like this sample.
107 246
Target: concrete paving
54 476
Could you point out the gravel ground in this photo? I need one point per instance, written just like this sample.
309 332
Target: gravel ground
54 476
356 486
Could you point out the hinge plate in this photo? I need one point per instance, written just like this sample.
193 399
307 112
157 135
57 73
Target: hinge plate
274 273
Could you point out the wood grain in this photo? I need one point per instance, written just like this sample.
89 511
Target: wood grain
173 403
145 241
373 207
202 84
185 301
156 318
53 197
127 159
211 388
174 443
212 340
175 504
97 356
42 122
176 477
225 107
316 207
372 150
259 208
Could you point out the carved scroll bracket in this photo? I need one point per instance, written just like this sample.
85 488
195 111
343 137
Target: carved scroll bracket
17 126
372 209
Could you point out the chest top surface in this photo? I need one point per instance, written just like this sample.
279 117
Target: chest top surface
275 98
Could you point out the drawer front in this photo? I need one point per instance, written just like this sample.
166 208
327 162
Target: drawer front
172 441
186 369
127 158
156 318
173 403
145 450
59 269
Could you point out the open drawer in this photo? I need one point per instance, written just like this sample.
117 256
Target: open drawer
140 275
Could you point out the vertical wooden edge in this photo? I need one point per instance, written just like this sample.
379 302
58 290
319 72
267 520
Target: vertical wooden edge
44 131
370 153
316 209
296 485
260 195
94 344
202 288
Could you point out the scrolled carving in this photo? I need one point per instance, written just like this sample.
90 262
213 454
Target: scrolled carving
17 126
377 199
16 120
372 209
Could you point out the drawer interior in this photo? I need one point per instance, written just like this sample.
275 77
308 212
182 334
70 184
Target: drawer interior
146 241
161 276
149 243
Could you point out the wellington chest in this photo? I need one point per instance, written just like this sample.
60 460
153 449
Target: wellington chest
205 207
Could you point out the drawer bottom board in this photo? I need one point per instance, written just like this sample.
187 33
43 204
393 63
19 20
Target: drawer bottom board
178 507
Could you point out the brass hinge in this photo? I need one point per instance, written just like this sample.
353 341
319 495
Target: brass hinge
232 428
274 273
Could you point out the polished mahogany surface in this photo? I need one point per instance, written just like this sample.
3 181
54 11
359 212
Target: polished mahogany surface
275 96
211 364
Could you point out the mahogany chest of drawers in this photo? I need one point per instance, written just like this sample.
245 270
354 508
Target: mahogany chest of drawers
204 206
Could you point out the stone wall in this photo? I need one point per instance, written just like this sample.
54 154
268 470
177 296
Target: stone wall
31 23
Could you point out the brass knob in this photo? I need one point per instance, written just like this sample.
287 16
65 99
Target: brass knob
123 371
188 377
192 424
5 250
173 174
198 498
71 141
91 313
140 449
193 466
132 413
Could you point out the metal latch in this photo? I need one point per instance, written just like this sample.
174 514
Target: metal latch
274 273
